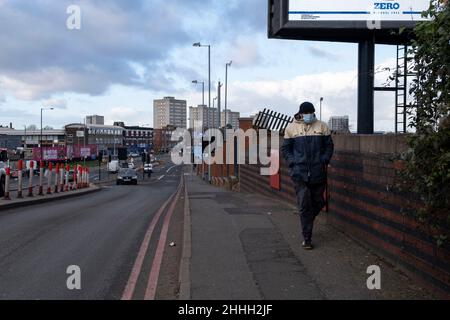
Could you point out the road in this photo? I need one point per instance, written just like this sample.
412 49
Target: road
102 233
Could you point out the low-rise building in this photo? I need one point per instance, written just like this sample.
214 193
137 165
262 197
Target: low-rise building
136 137
106 138
162 139
12 138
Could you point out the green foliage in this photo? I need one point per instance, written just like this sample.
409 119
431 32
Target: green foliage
427 170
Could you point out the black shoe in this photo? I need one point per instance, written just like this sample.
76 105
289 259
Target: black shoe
307 245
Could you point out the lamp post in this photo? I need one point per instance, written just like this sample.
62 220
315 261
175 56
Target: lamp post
321 100
25 138
226 90
198 44
214 111
219 100
42 151
203 90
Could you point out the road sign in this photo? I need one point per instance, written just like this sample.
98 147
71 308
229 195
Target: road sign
80 134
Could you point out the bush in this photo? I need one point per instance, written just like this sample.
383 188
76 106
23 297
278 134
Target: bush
427 164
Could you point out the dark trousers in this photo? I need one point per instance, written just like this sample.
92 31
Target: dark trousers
310 201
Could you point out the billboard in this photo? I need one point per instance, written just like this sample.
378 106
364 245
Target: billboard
49 153
357 10
345 21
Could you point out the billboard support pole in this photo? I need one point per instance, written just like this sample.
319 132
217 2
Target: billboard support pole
366 66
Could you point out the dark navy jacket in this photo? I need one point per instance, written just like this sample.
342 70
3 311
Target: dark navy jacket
308 148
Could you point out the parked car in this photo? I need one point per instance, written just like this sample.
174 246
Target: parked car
127 176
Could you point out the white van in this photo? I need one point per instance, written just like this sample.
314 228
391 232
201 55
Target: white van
113 166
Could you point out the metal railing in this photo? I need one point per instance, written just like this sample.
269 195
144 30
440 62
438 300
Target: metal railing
272 120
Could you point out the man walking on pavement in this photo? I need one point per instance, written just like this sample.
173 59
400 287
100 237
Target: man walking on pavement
308 148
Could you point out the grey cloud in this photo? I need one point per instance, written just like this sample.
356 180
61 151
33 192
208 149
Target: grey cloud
41 54
320 53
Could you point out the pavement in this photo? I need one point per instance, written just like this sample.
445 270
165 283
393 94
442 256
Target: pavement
248 247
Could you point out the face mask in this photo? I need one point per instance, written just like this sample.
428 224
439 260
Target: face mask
309 118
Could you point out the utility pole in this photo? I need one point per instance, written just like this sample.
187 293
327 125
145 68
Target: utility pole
40 144
198 44
219 87
321 100
25 141
226 91
84 142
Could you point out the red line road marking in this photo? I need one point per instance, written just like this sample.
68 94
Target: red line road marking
131 284
156 266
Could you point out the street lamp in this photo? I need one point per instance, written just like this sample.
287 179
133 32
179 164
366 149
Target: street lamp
25 140
42 151
321 100
198 44
203 89
226 90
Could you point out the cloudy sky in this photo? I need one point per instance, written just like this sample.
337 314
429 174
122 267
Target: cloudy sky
128 53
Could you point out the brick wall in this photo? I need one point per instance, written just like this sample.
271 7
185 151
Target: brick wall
364 204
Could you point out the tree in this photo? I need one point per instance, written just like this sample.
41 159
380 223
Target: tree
427 163
32 127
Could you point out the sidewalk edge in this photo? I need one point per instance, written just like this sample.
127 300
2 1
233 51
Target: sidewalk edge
37 200
185 276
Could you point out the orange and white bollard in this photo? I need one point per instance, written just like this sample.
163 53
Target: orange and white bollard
20 178
75 178
41 178
49 178
81 177
7 179
84 177
61 177
80 171
56 178
30 180
67 178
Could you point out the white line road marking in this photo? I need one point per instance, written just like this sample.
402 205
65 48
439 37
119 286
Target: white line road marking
160 178
171 168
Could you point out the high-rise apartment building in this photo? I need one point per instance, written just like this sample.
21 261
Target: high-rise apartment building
208 116
232 119
169 112
100 120
339 124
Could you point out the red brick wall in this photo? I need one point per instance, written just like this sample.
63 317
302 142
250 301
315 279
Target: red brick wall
364 204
